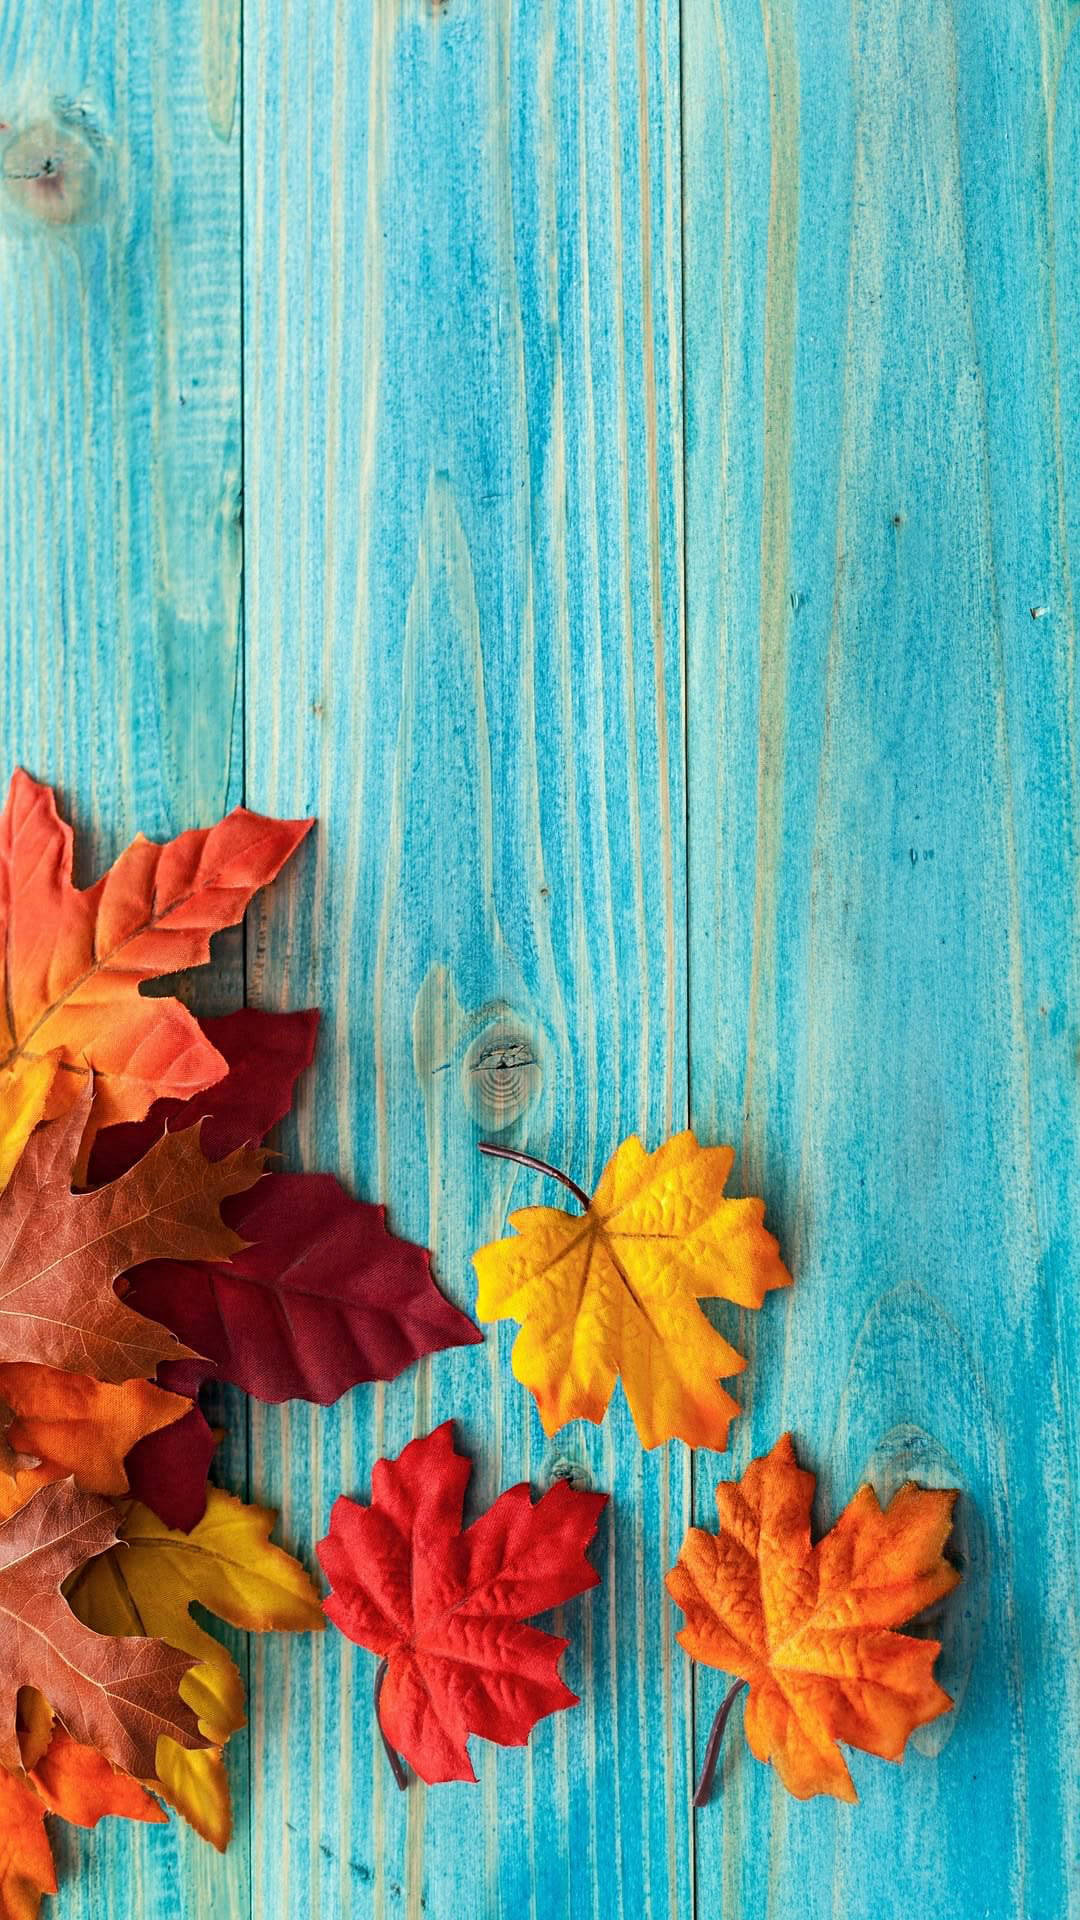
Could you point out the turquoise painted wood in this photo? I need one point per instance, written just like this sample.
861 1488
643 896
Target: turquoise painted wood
616 464
881 443
464 654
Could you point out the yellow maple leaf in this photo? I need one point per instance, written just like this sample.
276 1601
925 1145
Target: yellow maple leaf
613 1292
809 1629
24 1095
147 1585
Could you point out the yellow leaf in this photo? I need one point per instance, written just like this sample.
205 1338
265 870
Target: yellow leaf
613 1292
24 1092
147 1585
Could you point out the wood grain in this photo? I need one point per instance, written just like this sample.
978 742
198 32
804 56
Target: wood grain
343 358
464 653
120 340
882 769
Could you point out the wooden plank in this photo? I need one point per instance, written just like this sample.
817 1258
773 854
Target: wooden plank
119 529
881 326
464 654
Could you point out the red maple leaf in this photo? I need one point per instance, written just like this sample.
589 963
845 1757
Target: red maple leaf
445 1608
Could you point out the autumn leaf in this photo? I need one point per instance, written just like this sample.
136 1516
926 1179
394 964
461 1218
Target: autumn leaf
324 1298
81 1426
108 1693
264 1055
78 1784
612 1292
24 1094
26 1862
149 1583
73 961
60 1251
445 1609
167 1470
809 1629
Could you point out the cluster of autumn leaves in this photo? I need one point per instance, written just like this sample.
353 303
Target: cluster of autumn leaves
145 1249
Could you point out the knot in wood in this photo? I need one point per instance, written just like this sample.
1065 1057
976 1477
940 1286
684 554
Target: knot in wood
558 1466
50 171
501 1076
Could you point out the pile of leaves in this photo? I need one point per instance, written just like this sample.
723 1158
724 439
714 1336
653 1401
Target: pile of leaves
146 1248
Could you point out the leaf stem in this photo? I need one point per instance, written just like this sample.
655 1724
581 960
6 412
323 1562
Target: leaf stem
538 1166
712 1751
397 1765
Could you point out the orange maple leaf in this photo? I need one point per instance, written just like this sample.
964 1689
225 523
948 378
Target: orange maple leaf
613 1292
73 1424
26 1862
809 1629
79 1785
72 961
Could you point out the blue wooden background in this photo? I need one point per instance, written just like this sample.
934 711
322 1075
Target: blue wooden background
617 464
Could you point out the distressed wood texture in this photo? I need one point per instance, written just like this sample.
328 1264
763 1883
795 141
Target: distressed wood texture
429 285
120 546
464 653
881 253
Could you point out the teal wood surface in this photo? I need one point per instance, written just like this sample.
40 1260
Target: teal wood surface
619 471
881 431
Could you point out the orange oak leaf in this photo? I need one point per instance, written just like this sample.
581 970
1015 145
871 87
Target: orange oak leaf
114 1694
26 1862
809 1629
612 1292
79 1785
77 1425
60 1251
73 961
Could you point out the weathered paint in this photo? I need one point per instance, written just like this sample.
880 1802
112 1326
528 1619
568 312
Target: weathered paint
343 359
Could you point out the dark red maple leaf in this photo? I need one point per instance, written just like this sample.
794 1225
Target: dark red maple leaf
265 1052
445 1608
325 1297
171 1479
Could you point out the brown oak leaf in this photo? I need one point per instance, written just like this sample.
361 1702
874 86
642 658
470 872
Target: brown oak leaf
60 1251
112 1693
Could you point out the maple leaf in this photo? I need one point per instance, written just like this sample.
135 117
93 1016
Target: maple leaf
81 1426
325 1297
78 1784
109 1694
26 1862
73 961
148 1584
264 1055
24 1096
167 1470
809 1628
445 1608
613 1292
61 1251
